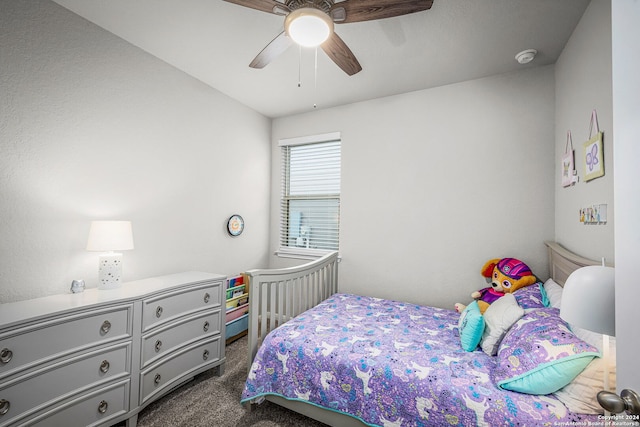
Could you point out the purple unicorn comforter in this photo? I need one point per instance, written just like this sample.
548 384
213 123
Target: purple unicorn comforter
389 363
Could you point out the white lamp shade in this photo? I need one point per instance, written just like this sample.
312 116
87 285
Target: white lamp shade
588 299
110 236
308 26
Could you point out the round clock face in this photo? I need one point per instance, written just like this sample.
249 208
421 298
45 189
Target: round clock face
235 225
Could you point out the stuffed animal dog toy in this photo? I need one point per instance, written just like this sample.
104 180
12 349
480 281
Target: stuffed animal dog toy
507 275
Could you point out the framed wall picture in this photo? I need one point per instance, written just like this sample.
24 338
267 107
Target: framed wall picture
593 158
569 175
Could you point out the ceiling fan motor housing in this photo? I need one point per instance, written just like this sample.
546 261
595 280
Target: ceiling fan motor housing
323 5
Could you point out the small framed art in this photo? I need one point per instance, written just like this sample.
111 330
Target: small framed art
569 175
567 169
593 158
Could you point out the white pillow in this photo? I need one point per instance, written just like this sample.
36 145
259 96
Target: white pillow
498 318
580 395
554 293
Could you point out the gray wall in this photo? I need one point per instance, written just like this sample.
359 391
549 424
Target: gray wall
583 83
92 127
437 182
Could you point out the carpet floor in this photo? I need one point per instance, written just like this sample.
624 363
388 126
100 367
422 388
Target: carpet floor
214 401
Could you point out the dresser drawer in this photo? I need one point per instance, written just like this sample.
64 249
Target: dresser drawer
176 334
166 307
178 366
28 346
60 380
94 408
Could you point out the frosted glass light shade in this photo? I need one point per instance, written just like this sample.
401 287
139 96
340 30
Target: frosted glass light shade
110 236
588 299
308 27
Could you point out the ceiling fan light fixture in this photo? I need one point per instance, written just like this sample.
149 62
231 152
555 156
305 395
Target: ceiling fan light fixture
308 26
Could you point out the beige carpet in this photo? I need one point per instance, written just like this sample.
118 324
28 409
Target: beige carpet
213 401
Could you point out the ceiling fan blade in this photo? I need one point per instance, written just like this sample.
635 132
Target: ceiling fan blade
269 6
367 10
276 47
340 53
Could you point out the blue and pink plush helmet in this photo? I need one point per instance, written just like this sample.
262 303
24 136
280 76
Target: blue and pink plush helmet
513 268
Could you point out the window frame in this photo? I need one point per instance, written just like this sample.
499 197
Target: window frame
300 252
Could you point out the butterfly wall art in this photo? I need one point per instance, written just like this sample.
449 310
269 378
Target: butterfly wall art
593 159
593 156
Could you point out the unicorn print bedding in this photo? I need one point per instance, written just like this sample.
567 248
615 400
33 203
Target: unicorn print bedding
389 363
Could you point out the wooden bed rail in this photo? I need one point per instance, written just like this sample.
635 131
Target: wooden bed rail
277 295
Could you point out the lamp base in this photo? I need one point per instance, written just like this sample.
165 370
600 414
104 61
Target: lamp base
110 271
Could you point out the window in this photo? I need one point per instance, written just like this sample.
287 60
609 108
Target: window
310 203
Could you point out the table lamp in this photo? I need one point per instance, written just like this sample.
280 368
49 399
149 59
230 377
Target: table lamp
588 302
110 236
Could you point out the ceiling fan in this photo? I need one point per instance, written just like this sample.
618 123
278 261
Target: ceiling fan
322 14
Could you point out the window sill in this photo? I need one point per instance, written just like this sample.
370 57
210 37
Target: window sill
302 253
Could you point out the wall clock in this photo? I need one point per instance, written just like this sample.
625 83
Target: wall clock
235 225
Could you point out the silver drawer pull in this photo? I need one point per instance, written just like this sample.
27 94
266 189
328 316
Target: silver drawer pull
4 406
5 356
103 406
159 311
106 327
206 297
205 354
104 366
157 379
206 326
158 345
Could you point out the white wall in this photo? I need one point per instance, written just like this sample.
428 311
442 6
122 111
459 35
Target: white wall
583 83
626 108
596 70
437 182
92 127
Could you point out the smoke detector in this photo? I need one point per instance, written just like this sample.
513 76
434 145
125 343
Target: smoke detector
526 56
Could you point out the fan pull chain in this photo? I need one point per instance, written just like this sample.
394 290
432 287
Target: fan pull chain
315 78
299 66
315 73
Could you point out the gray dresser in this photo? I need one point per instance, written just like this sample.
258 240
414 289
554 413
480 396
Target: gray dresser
98 357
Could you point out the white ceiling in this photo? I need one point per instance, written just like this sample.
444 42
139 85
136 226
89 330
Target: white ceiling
456 40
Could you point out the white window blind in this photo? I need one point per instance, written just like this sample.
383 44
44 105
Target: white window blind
310 203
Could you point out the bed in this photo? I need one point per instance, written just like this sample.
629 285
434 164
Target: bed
350 360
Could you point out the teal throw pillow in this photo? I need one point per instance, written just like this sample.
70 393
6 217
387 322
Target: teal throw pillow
471 327
540 354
